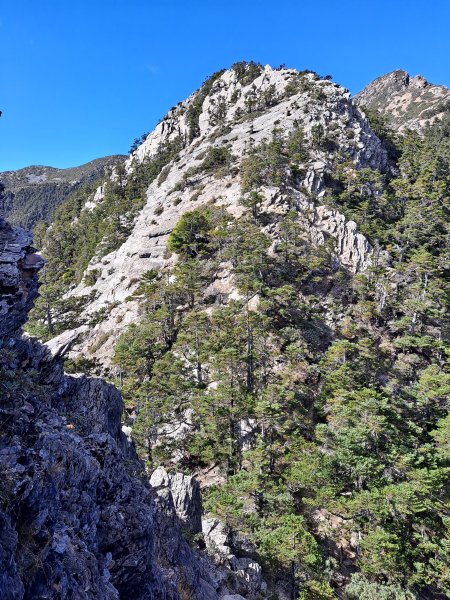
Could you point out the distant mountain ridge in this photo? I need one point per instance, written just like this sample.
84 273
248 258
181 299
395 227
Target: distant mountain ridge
32 193
407 102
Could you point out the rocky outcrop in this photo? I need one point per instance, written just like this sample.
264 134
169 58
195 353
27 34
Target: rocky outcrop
407 102
186 497
215 576
78 518
312 103
351 248
217 538
75 520
18 284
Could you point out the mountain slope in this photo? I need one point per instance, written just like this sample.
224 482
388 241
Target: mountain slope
78 517
406 102
32 194
267 282
235 115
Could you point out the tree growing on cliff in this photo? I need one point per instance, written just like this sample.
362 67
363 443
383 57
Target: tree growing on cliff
191 235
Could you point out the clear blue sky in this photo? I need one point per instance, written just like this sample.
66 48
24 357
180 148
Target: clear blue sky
80 79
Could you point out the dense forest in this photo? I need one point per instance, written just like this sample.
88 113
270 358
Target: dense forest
319 398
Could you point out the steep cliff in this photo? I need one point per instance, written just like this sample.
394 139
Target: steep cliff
78 517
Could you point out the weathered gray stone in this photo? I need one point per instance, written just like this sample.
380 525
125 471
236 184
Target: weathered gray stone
217 536
187 500
18 265
249 572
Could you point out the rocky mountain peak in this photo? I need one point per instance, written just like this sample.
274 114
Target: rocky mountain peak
407 102
233 112
237 95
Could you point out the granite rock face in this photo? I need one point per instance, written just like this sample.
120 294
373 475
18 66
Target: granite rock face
223 122
78 518
407 102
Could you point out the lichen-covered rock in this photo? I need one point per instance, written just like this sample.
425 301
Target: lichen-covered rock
76 521
181 569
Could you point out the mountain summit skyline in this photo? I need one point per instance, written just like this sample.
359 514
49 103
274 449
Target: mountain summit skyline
375 95
98 73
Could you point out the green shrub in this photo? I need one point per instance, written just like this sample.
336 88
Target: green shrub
247 72
360 588
215 158
91 277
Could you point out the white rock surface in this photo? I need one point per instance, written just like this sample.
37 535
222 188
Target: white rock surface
121 270
185 494
216 536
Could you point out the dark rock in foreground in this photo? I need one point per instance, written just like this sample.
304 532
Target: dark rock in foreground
78 518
